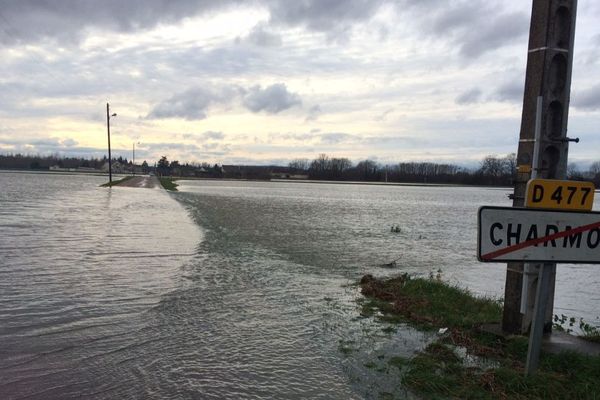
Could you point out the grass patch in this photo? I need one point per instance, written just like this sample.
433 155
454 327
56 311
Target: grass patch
465 362
427 303
117 182
169 184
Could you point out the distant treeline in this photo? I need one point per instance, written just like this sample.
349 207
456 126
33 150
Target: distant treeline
37 162
492 170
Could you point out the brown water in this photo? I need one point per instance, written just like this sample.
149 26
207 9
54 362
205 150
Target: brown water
224 289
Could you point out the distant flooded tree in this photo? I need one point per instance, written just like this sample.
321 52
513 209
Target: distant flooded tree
497 171
299 165
574 173
593 173
594 168
338 168
324 167
492 166
163 166
511 163
318 167
175 168
367 170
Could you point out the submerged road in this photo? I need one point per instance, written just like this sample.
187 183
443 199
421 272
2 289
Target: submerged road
143 181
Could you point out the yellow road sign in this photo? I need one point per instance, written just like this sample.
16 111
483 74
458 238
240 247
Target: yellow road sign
556 194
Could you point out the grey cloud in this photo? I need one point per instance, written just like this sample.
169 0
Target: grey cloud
30 142
335 138
69 142
511 92
457 16
193 103
588 100
67 20
45 143
170 146
189 152
394 141
213 135
272 99
296 137
313 113
474 27
383 115
322 15
210 146
208 135
494 35
263 37
47 146
469 97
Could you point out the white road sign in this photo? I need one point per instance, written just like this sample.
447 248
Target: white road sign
524 234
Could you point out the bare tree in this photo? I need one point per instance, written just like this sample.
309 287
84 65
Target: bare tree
299 164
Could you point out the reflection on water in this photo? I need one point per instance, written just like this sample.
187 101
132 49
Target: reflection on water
79 267
224 289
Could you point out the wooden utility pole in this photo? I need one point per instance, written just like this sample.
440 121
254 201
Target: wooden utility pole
109 155
108 116
548 77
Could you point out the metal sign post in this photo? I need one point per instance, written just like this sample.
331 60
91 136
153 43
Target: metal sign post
537 325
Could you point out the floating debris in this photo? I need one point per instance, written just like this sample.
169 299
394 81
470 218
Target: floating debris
391 264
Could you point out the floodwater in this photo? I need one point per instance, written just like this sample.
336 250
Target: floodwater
225 289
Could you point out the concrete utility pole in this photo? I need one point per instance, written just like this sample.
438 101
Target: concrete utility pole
548 77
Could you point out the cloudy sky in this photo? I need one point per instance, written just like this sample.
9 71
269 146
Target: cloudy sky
267 81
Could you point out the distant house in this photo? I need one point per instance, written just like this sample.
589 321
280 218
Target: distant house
58 168
117 167
284 175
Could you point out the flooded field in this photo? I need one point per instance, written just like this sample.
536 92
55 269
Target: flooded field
225 289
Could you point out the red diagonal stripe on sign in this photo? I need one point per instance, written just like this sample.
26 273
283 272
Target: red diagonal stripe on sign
533 242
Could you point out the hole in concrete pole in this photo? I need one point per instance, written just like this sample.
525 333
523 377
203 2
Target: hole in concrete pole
562 28
554 118
550 158
558 74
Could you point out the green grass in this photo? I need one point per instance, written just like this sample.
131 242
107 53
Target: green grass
114 183
494 366
437 373
169 184
428 303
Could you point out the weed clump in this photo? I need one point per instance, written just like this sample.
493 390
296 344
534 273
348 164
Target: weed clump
465 361
168 184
